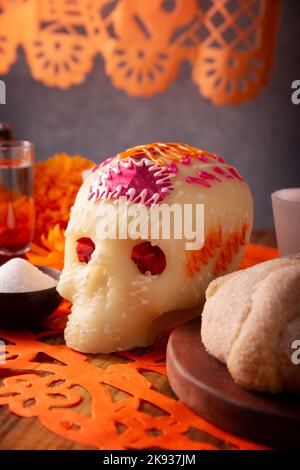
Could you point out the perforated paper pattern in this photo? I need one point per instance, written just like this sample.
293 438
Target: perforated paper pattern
228 43
42 380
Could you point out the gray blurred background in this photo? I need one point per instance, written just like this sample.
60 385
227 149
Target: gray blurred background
260 137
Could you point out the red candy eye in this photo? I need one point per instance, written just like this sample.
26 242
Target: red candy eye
85 248
148 258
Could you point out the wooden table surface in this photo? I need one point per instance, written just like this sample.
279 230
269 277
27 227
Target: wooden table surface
27 433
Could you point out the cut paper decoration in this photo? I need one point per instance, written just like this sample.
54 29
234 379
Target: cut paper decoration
228 43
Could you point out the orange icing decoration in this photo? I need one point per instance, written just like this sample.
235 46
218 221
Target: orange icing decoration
215 242
197 258
168 150
232 246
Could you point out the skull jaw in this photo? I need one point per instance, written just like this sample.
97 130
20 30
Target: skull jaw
96 341
86 339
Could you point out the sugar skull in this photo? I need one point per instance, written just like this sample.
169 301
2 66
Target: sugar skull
127 286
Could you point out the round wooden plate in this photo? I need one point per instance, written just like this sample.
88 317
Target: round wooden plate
204 385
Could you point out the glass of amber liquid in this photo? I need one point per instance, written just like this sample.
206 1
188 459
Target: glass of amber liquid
17 215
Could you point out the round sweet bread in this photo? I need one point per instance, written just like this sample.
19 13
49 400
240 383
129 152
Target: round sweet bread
251 322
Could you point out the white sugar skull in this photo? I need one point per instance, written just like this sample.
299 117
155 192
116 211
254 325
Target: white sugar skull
126 290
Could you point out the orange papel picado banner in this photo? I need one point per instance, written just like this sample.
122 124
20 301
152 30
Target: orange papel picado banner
229 43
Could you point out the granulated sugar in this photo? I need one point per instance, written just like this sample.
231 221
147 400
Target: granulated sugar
17 275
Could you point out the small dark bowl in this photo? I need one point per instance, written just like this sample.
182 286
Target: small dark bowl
23 309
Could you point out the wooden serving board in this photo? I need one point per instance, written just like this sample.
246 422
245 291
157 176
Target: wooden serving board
204 385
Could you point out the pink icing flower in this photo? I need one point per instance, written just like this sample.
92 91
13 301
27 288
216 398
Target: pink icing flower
139 180
186 160
222 172
193 179
202 158
173 168
208 176
235 174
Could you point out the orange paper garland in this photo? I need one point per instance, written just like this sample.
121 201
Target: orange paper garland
229 43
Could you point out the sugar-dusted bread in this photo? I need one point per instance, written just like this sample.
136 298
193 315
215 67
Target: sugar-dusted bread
250 321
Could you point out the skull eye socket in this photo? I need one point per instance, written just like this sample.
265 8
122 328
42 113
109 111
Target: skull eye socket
148 258
84 249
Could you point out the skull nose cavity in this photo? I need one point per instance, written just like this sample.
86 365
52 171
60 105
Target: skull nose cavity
96 278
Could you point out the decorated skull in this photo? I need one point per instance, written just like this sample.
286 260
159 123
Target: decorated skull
127 286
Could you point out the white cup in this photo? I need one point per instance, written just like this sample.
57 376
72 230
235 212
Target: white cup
286 210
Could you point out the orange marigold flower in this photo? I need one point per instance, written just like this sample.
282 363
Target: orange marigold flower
51 250
57 181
